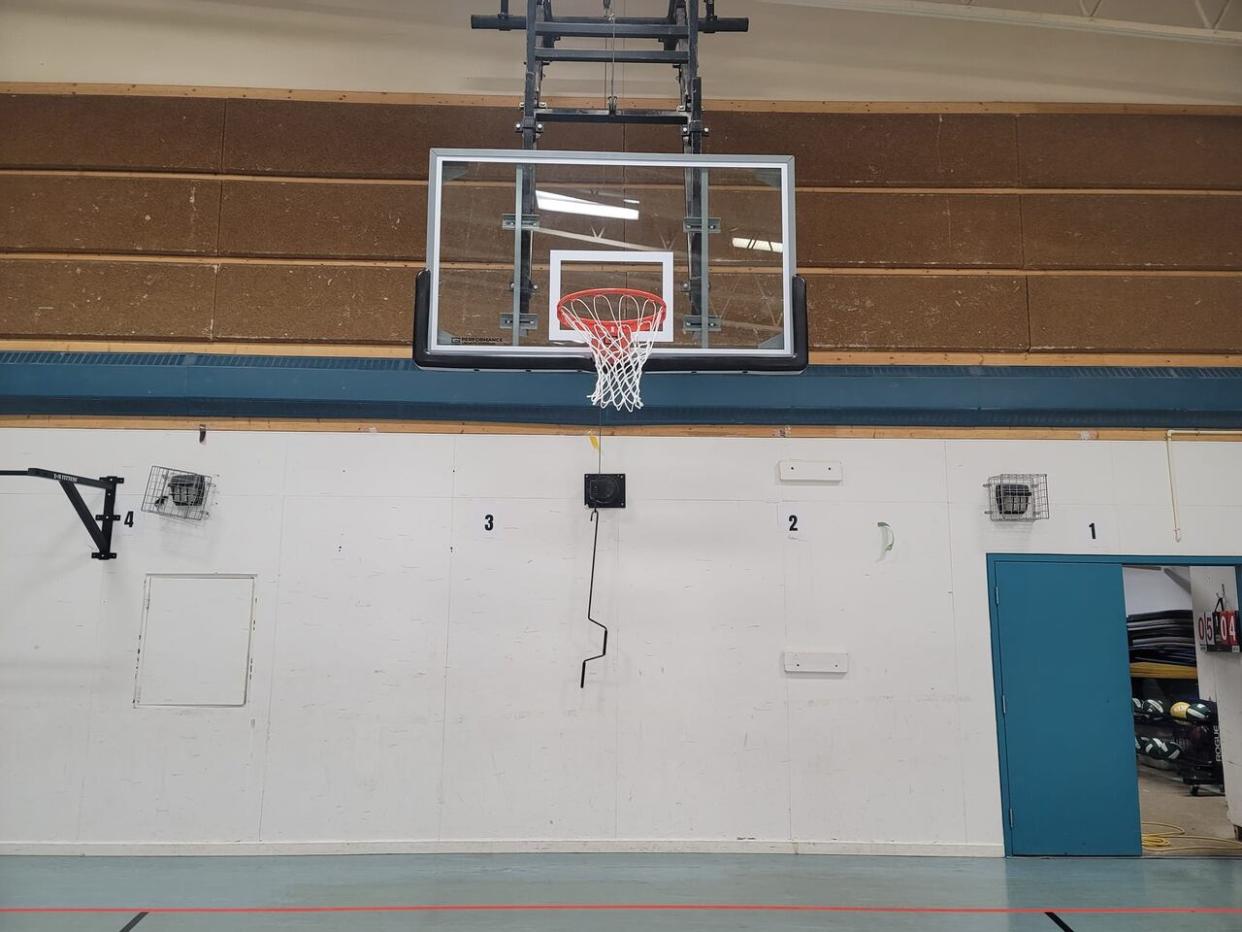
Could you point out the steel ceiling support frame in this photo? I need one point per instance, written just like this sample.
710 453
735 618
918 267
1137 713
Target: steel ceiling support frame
677 34
101 533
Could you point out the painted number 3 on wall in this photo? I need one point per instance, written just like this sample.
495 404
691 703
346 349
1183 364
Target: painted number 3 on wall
487 522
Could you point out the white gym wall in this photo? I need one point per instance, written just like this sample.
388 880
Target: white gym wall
794 51
414 677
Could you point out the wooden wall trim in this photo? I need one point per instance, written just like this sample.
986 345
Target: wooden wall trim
878 270
818 358
422 183
507 100
346 179
1174 360
217 260
65 422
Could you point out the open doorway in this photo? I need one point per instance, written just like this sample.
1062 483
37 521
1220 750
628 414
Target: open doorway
1066 723
1180 628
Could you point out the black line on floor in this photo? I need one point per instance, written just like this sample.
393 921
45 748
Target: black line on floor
1061 923
141 916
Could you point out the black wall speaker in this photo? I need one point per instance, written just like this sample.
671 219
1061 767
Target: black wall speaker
605 490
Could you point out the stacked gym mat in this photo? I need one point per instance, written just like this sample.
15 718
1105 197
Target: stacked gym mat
1166 637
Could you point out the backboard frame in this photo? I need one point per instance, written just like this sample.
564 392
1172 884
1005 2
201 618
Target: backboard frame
430 353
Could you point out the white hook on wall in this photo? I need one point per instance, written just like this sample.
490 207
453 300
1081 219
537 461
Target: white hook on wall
887 539
1168 453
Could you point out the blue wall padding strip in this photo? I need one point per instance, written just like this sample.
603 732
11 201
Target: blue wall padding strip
187 384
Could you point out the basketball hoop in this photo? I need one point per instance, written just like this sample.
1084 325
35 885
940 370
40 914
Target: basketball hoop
619 325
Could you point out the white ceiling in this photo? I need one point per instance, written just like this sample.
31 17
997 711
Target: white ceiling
793 51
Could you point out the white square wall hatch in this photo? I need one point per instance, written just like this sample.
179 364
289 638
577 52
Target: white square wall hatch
195 643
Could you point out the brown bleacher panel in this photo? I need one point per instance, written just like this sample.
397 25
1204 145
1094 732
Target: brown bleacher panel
340 219
64 213
1112 231
917 312
1141 313
321 220
94 299
750 214
310 304
840 149
286 137
748 305
920 230
570 137
471 302
472 216
640 137
106 132
1070 150
471 225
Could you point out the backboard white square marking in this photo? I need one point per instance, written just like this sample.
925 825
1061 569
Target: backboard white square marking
557 257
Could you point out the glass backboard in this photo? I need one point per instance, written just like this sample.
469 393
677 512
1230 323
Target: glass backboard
512 232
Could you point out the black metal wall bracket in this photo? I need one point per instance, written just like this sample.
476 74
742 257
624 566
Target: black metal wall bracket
101 532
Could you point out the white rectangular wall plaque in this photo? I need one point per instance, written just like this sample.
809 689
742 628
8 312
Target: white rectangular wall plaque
810 471
802 661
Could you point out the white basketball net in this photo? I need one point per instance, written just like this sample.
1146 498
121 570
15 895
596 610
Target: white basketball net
618 324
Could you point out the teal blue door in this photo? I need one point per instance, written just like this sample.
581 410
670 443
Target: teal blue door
1066 726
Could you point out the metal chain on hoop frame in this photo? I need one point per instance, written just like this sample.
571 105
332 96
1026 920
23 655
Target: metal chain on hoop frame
610 69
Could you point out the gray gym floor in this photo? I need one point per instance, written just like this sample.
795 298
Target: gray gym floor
370 893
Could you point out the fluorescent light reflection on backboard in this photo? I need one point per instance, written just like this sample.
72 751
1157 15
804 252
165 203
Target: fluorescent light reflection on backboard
552 201
760 245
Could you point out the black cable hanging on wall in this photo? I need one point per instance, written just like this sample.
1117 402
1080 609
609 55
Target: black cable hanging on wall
603 650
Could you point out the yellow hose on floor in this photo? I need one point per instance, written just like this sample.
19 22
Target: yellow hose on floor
1163 842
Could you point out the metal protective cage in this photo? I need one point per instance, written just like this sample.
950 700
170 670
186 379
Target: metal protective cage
1017 497
177 493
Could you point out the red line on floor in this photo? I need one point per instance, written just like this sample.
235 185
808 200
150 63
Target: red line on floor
639 907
